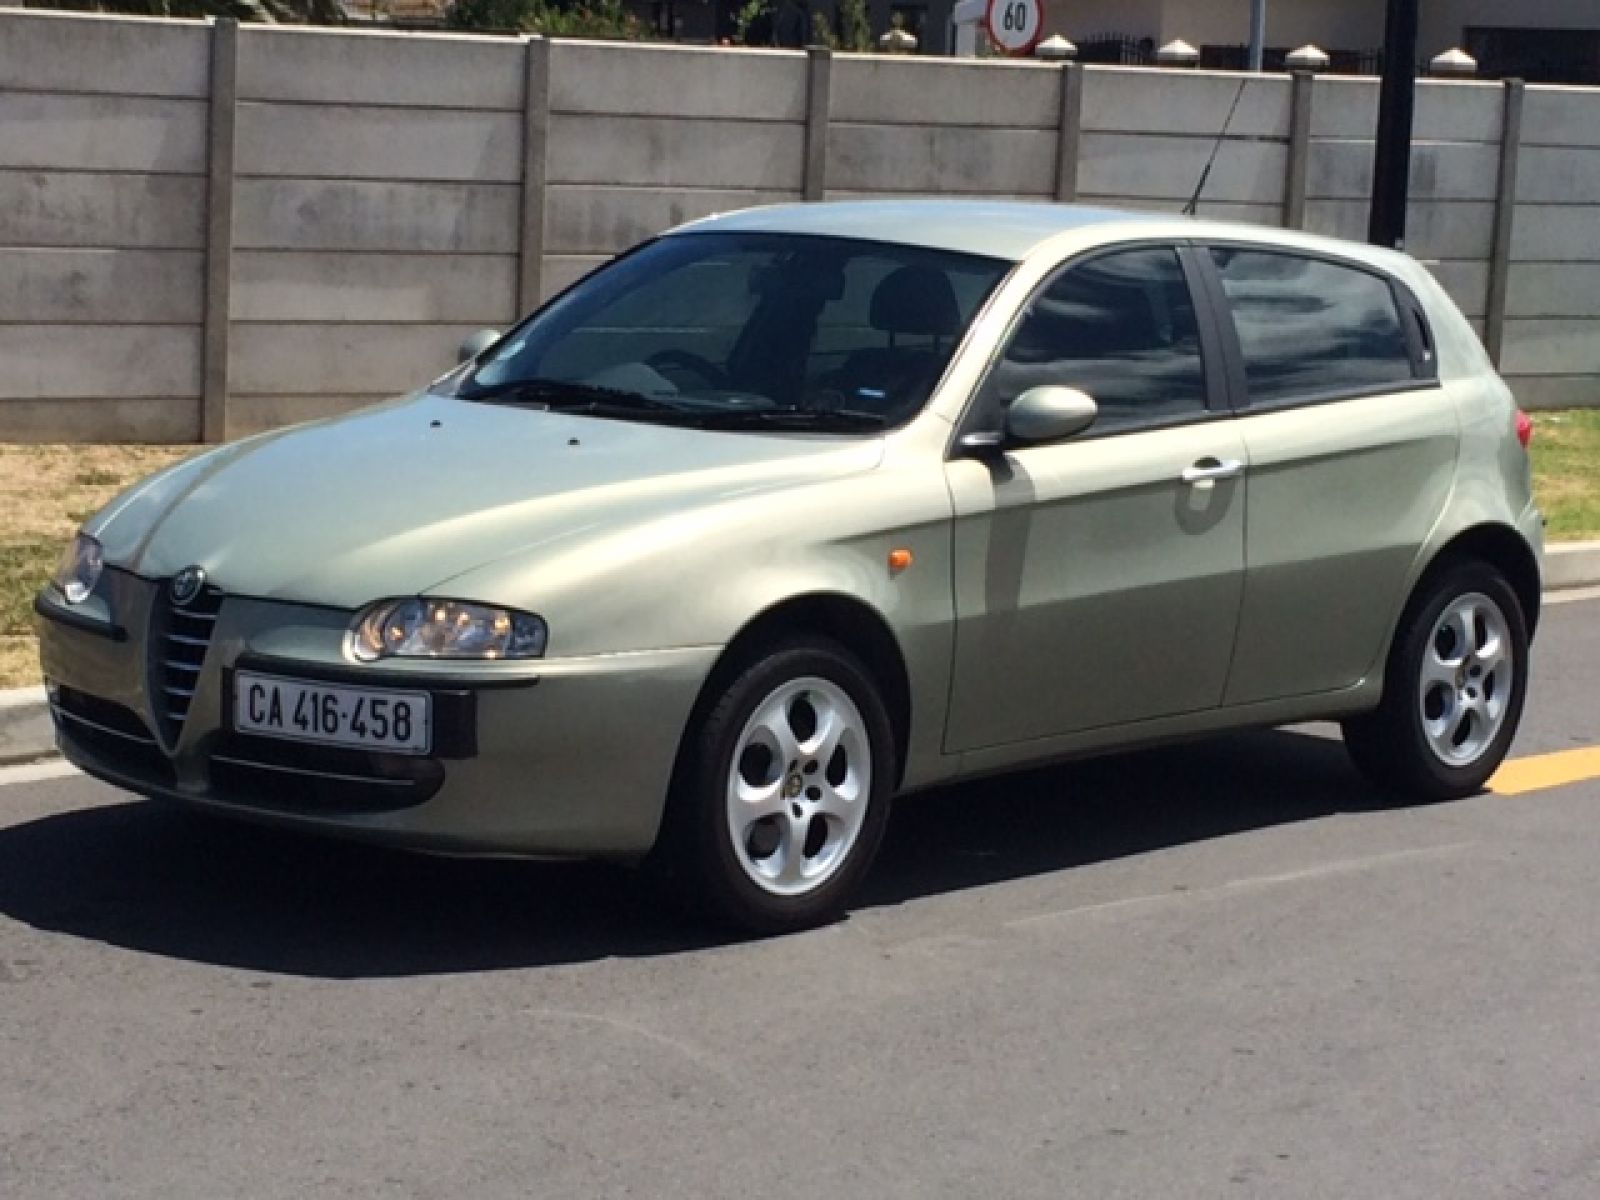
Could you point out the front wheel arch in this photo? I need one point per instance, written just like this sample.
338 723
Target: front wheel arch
852 623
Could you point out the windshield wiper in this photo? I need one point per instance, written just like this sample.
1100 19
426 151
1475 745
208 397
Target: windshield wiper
836 420
571 396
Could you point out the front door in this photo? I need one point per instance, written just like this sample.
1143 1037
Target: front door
1098 580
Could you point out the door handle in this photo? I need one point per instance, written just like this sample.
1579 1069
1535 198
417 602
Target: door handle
1209 470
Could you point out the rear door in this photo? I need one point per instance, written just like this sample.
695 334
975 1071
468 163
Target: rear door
1352 447
1098 578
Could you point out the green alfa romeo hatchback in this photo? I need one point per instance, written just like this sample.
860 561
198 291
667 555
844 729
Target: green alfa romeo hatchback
791 511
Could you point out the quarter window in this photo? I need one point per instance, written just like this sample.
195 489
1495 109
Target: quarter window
1120 327
1310 329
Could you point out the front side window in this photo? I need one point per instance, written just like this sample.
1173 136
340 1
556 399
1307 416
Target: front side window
746 331
1121 328
1311 329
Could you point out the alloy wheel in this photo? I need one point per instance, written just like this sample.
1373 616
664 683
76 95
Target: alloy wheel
799 786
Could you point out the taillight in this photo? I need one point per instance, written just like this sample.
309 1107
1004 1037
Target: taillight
1524 428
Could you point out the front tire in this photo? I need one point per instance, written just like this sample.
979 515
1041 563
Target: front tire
781 798
1453 690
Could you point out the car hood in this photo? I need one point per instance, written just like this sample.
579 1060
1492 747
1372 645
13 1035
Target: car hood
397 500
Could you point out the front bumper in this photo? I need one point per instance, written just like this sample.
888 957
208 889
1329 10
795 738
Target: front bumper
559 757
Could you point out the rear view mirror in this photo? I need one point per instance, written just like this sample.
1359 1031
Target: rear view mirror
1049 414
476 343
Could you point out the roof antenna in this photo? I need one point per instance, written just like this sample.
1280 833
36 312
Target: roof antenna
1227 123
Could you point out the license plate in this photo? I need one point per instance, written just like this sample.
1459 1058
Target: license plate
332 714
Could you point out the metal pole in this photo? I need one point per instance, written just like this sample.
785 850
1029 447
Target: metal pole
1258 33
1391 161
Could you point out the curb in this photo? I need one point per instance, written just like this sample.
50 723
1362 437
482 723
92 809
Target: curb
27 734
1571 565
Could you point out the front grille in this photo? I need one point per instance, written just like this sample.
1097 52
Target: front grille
178 651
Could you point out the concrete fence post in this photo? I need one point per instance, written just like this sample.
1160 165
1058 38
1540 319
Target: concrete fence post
216 328
535 142
1069 133
819 106
1301 98
1505 213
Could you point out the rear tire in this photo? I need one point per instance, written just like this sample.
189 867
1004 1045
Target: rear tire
1453 691
782 792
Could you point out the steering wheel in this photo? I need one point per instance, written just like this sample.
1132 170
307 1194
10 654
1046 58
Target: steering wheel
688 360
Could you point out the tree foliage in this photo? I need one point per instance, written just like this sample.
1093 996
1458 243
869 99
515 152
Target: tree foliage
577 18
286 12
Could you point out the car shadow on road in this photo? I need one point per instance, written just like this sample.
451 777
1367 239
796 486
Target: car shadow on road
159 880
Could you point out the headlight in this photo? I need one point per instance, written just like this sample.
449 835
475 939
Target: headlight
445 629
79 569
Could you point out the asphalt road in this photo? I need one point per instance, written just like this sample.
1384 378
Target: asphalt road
1214 971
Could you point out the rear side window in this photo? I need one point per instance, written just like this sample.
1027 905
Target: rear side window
1311 329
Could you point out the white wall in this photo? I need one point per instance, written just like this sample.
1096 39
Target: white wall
386 196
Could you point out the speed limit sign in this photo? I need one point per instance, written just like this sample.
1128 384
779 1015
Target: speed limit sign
1015 25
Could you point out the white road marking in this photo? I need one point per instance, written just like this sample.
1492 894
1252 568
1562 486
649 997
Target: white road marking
56 768
1340 867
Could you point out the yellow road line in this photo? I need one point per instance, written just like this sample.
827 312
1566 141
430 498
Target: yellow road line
1541 771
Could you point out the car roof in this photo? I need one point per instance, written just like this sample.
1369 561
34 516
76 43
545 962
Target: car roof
1010 229
997 228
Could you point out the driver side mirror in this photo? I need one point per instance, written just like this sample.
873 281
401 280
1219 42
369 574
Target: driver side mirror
1040 414
475 344
1049 414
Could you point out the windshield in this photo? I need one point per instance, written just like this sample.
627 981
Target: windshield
745 331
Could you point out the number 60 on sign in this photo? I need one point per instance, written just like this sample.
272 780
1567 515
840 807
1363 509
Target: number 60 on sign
1014 25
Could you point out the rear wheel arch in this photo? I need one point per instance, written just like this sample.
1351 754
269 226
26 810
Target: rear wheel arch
1500 547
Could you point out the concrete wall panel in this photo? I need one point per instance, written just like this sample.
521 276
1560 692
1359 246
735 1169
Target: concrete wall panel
275 286
77 208
1344 107
334 214
1172 167
605 78
1128 100
153 420
257 414
561 271
319 66
663 152
1554 290
1342 170
348 360
378 143
1458 111
117 287
1467 283
102 133
598 220
48 361
68 52
869 89
1551 175
1561 116
1541 393
932 158
1541 347
1455 230
1556 233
